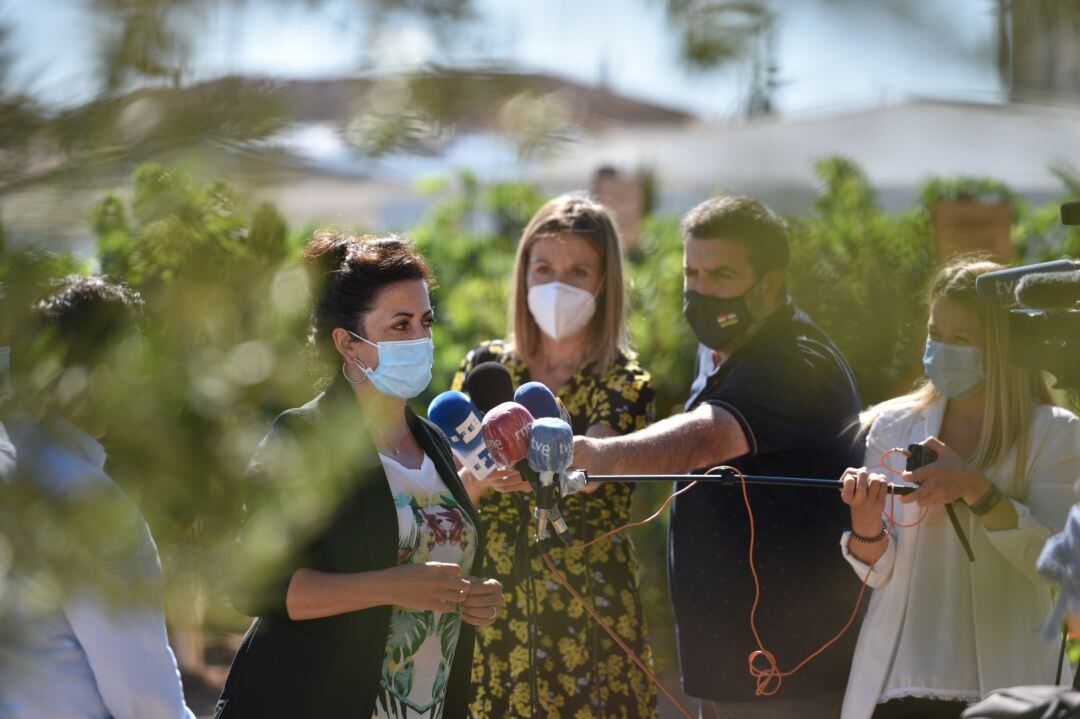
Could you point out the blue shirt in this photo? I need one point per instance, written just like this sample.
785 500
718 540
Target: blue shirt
89 645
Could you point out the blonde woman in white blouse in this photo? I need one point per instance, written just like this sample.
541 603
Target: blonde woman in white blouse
941 631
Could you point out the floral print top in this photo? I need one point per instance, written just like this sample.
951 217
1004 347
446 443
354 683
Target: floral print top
580 672
432 527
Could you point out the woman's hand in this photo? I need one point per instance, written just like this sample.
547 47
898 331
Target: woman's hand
865 493
508 480
946 479
501 480
432 586
483 603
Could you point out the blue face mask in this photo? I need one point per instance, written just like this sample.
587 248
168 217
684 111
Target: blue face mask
954 370
404 369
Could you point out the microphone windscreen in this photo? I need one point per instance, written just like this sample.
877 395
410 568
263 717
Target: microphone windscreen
1001 284
538 399
461 422
506 433
1049 291
489 384
551 445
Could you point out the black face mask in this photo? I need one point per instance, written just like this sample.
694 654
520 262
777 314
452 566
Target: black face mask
717 321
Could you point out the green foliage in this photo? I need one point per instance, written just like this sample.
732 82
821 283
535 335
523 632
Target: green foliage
179 228
468 238
861 273
983 189
24 277
714 33
1039 234
223 350
662 338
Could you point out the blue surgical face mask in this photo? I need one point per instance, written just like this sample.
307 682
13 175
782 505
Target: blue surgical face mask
955 370
404 369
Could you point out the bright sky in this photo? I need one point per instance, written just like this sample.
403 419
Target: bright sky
831 52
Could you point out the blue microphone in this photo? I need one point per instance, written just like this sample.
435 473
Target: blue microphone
459 419
538 399
551 450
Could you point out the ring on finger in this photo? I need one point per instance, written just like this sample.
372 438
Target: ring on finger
494 612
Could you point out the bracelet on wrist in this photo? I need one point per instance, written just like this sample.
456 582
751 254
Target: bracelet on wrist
987 502
876 538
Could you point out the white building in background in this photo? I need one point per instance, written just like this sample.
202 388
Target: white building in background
898 146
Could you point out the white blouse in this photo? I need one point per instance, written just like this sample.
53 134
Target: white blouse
938 625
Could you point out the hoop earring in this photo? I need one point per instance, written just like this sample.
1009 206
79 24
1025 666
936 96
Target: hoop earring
350 380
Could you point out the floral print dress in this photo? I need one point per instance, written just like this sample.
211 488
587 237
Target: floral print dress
580 673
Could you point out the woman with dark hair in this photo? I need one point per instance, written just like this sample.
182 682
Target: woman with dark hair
360 541
567 316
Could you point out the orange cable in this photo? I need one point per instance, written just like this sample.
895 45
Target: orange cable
892 498
629 525
596 616
770 678
618 640
772 673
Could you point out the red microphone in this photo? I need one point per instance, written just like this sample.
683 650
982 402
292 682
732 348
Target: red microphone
507 428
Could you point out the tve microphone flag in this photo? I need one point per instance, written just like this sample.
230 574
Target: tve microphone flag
551 447
551 450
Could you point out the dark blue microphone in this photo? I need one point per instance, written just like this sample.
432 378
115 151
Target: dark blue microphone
459 419
538 399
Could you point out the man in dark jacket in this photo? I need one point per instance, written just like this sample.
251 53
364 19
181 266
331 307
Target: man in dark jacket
779 400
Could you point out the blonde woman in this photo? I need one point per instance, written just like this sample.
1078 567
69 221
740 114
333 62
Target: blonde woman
942 631
569 332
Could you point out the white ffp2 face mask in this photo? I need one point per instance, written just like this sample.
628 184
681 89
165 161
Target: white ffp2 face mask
559 309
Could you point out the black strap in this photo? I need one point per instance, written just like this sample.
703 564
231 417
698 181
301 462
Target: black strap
959 531
1061 657
1061 660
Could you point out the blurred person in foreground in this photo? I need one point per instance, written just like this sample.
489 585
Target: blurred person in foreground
941 631
776 401
569 332
360 540
82 632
